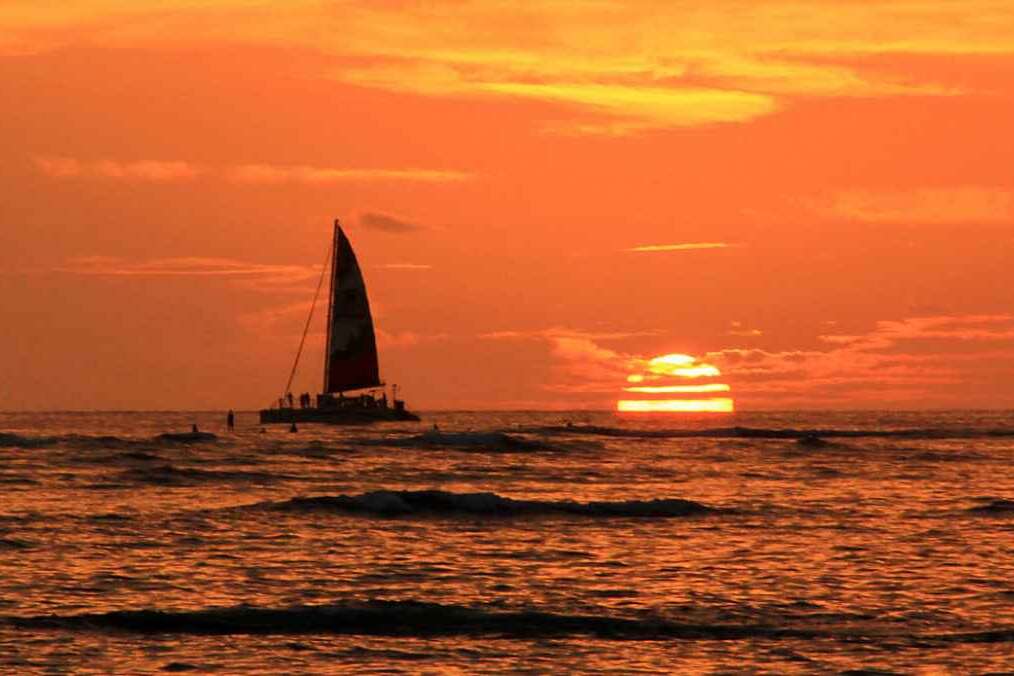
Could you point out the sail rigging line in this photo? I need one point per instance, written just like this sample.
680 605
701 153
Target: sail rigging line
306 329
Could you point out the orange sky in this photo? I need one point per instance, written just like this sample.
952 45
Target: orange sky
816 198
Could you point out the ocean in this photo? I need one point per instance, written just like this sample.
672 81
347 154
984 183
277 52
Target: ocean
502 542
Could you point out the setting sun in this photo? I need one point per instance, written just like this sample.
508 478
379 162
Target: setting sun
666 396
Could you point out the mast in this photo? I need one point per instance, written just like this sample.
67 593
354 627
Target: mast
330 305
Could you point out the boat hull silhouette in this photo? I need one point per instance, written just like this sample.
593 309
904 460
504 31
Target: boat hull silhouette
346 415
350 355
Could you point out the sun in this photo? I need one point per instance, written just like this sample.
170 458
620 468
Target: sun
674 383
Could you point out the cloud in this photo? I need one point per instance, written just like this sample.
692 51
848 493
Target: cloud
271 173
404 266
945 360
387 223
143 170
604 67
402 339
689 246
583 367
958 205
737 329
284 321
562 332
193 266
160 171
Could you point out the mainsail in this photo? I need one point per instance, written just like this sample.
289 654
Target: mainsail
350 360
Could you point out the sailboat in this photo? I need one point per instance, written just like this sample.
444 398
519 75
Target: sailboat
353 392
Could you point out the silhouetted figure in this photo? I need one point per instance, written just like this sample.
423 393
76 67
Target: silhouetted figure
230 420
193 428
288 398
293 428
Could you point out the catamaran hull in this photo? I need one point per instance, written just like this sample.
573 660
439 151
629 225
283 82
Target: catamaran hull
349 416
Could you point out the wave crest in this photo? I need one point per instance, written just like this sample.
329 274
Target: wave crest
85 442
998 507
423 619
495 442
443 503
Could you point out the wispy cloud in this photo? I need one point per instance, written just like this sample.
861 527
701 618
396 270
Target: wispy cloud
405 266
387 223
918 361
583 366
736 328
563 332
943 360
160 171
955 205
142 170
403 339
608 66
271 173
106 266
687 246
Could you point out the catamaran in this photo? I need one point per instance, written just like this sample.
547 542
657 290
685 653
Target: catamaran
353 392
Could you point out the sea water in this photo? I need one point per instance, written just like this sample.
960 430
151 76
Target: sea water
549 542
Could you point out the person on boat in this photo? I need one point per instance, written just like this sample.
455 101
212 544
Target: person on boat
230 420
193 429
288 398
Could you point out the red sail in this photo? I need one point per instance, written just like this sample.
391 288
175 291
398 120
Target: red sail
352 345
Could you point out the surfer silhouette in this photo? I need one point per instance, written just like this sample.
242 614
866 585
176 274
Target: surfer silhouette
193 428
230 420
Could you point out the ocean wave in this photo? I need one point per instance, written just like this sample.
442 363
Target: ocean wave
812 437
10 440
170 475
998 507
7 544
84 441
496 442
443 503
186 437
430 620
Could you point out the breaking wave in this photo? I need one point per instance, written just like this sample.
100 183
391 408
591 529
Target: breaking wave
82 441
423 619
443 503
